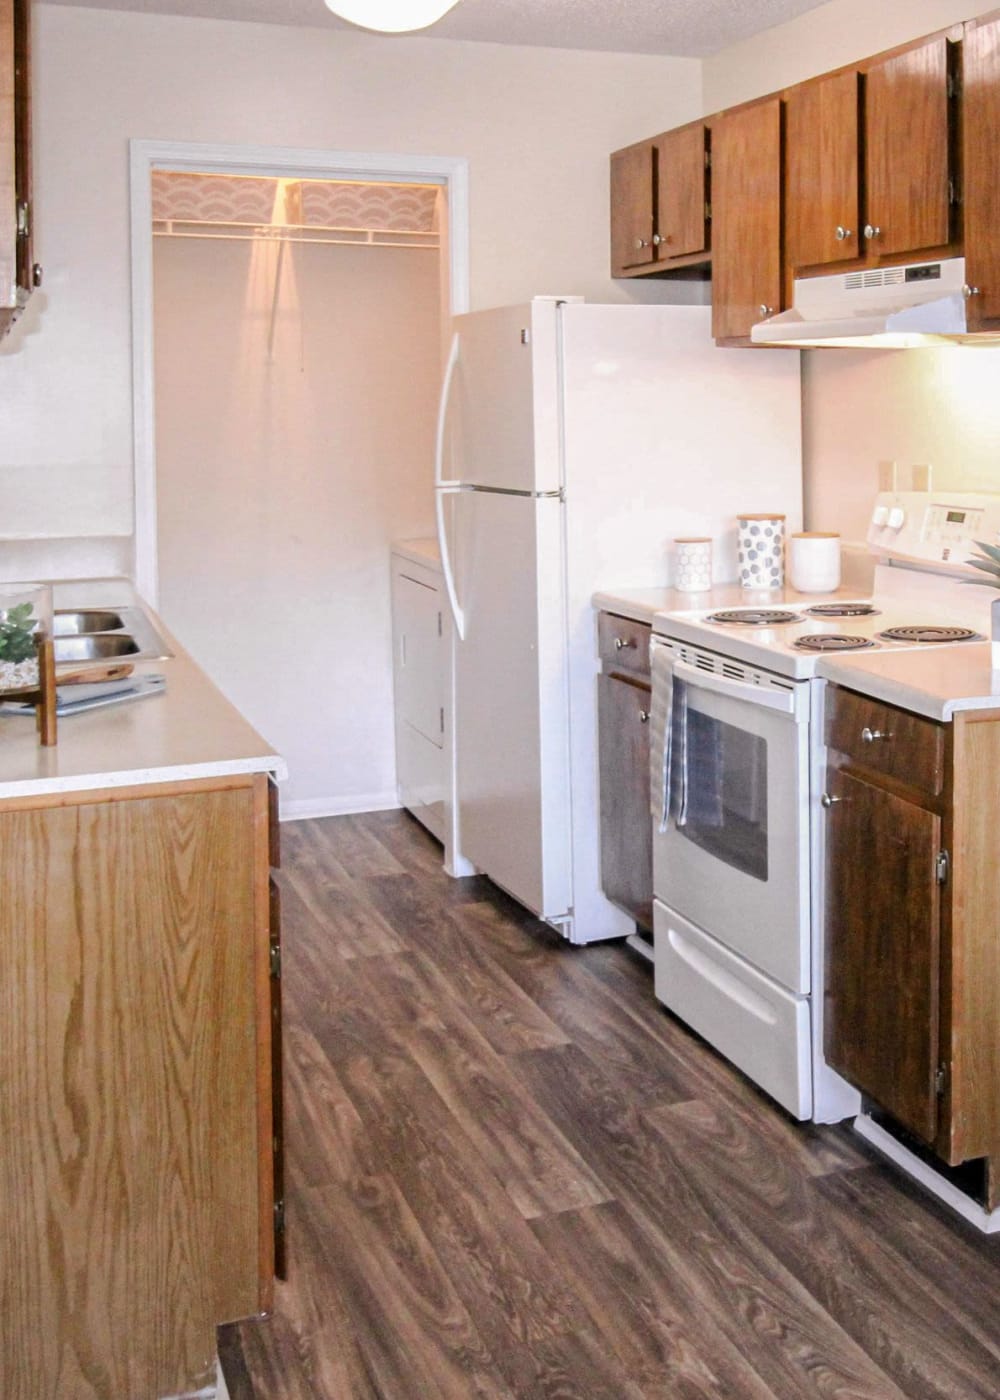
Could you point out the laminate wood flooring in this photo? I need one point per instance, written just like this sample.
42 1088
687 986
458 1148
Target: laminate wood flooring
512 1175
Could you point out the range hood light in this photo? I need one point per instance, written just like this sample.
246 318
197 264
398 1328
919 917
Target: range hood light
391 16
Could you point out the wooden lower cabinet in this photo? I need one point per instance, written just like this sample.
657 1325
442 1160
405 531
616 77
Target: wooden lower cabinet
912 984
135 1085
623 706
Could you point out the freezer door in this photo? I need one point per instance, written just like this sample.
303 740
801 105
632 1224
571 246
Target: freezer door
511 705
504 409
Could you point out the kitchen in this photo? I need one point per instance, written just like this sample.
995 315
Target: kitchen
189 79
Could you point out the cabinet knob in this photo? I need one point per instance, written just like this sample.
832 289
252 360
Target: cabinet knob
765 310
827 801
842 233
641 243
623 643
968 291
872 230
643 716
869 736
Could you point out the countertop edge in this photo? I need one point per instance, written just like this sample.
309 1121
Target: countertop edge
139 777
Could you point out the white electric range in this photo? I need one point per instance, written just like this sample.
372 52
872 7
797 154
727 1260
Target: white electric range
738 767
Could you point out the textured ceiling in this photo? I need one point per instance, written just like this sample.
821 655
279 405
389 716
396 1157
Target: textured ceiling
689 28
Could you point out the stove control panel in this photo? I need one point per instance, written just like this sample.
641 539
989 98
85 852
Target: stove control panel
933 527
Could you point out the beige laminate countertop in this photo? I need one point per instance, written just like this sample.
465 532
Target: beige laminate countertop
423 551
937 682
190 730
643 604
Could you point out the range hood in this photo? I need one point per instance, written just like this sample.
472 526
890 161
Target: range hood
918 304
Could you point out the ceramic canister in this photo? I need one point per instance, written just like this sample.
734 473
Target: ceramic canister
693 573
814 561
761 550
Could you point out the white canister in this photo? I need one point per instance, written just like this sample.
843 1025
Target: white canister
693 570
761 550
814 561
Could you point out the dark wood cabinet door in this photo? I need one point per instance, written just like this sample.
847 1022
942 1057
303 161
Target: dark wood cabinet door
981 140
746 219
16 255
632 184
882 949
908 140
626 826
682 188
822 190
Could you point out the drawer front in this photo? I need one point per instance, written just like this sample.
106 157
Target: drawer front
886 740
624 644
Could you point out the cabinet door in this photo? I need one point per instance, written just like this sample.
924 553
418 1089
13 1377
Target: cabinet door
632 208
682 188
821 211
626 825
746 219
882 949
15 160
419 668
981 138
907 128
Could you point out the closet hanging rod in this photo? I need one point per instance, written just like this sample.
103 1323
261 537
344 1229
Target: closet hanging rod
258 233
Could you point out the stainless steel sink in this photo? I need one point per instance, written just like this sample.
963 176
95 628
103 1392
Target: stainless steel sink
95 647
102 634
77 624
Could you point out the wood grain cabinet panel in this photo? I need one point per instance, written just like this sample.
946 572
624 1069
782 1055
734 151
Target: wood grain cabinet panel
881 1012
746 219
907 118
626 825
623 644
682 192
632 211
16 213
134 1086
822 211
888 740
981 144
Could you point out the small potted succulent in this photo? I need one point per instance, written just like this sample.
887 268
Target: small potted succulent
989 563
25 611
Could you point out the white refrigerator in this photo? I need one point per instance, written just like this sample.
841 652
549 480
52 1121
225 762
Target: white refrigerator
575 442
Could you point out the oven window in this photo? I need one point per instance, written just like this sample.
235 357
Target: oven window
727 793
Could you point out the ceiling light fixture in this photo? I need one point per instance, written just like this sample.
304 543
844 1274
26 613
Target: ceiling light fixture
391 16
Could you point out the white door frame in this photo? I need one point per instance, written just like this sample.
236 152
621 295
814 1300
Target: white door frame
451 172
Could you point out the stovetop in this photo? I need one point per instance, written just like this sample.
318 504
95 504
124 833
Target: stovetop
790 640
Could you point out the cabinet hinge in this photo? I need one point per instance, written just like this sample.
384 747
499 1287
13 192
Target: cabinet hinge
441 713
942 865
952 85
23 218
708 211
708 160
952 193
276 961
279 1216
940 1080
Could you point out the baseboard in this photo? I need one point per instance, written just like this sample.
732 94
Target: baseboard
929 1179
308 807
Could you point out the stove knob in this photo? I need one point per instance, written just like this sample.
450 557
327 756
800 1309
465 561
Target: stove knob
897 518
880 516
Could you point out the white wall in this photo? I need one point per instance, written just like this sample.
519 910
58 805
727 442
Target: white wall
282 479
536 126
910 406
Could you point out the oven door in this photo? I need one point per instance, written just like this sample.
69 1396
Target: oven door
738 865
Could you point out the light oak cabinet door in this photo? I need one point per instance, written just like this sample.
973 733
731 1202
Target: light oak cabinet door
907 120
822 211
746 219
883 949
682 193
632 210
981 142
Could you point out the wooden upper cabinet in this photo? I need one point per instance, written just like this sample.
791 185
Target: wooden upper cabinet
746 219
632 213
981 142
907 121
822 192
16 257
682 192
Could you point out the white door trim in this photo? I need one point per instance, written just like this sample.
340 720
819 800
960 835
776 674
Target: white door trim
452 172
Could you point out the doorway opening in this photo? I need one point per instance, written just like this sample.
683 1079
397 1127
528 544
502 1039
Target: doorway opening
290 325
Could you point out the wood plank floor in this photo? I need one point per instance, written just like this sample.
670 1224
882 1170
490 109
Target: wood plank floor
512 1175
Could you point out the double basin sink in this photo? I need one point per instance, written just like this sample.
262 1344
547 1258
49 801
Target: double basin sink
105 634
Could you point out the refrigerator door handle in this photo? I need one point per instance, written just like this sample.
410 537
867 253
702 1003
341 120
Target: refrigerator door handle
446 488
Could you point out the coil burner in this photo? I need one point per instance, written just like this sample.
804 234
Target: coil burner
832 641
842 610
930 634
754 617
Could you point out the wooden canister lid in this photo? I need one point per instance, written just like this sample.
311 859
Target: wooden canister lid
816 535
693 539
765 515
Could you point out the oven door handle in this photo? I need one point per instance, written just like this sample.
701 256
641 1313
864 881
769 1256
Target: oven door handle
781 700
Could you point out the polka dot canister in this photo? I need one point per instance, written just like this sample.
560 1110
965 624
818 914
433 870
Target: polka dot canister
693 565
761 550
